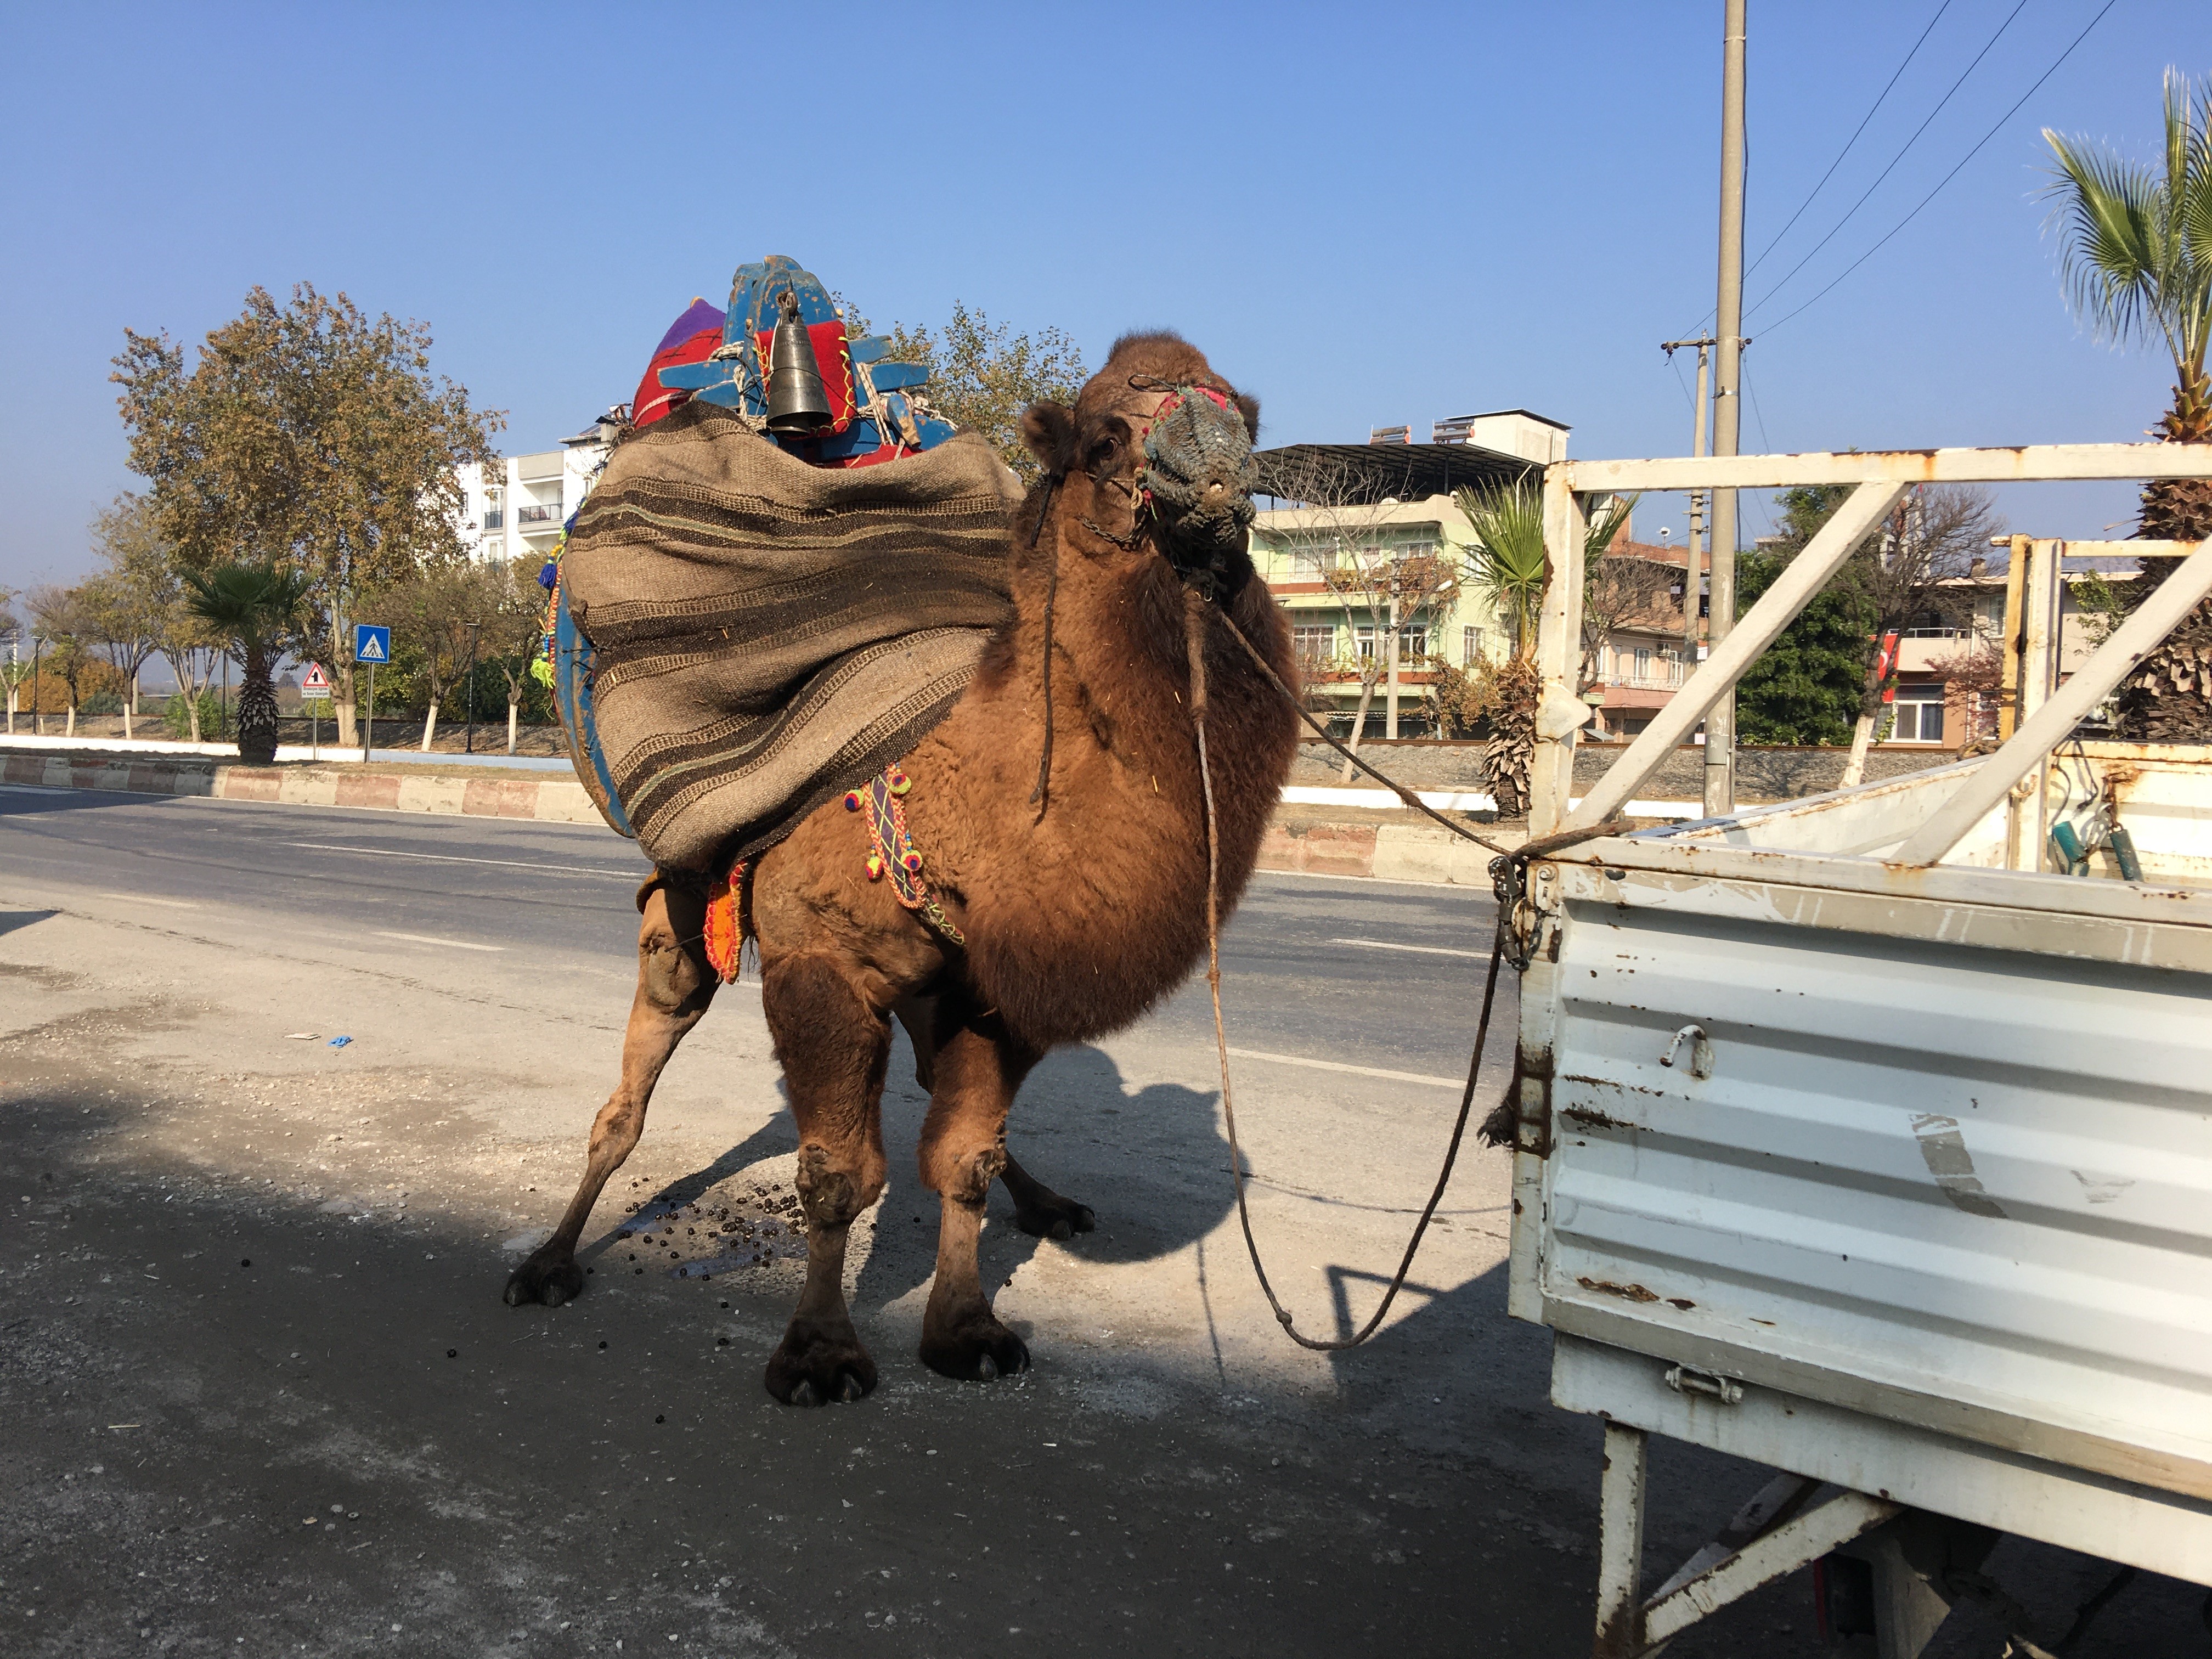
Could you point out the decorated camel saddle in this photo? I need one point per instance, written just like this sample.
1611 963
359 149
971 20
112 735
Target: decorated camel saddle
784 577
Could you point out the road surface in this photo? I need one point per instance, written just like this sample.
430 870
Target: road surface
265 1399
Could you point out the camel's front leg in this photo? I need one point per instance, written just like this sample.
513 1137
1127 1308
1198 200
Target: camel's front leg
963 1149
833 1048
674 986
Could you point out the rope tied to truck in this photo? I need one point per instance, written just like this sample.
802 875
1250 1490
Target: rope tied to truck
1508 874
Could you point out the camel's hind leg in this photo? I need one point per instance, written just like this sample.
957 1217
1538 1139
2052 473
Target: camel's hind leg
674 986
963 1149
1038 1210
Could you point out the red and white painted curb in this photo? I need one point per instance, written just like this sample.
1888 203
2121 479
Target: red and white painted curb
555 799
1395 852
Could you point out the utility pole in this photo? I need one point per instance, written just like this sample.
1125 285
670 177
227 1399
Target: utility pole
1720 723
1690 595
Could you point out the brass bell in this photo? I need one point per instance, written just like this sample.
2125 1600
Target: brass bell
797 406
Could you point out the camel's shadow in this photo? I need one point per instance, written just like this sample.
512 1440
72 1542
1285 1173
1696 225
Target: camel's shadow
1149 1161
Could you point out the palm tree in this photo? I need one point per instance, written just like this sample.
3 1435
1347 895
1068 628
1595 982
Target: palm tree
2137 266
253 607
1507 566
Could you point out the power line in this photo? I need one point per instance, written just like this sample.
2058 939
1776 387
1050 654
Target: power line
1895 159
1854 138
1877 104
1759 413
1954 172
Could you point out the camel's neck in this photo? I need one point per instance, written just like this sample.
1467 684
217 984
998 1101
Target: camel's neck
1112 875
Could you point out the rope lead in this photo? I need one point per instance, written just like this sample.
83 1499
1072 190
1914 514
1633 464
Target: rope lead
1195 649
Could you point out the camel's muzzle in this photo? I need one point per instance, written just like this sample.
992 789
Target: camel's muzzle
1199 477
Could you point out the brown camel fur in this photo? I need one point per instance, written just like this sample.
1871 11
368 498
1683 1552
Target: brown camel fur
1079 913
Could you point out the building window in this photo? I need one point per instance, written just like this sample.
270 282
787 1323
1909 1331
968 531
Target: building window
1470 646
1413 641
1919 715
493 518
1314 646
1314 560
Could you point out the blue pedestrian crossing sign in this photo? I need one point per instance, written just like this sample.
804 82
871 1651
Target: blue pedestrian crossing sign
371 643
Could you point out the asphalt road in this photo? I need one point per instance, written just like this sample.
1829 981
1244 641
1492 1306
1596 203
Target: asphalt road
264 1396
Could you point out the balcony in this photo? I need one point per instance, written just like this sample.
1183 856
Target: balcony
532 518
493 520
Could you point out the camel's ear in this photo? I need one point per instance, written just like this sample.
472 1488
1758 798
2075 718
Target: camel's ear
1251 405
1050 431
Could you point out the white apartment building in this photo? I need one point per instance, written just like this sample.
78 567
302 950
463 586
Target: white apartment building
521 511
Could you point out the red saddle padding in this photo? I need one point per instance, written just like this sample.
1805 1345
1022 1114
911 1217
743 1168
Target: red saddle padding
829 360
691 339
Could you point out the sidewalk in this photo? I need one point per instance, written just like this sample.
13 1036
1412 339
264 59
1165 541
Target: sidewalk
1345 832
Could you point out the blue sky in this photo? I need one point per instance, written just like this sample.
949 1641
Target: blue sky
1366 213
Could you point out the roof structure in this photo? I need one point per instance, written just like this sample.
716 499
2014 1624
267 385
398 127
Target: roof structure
1361 475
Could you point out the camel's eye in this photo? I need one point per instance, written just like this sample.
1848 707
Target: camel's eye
1106 449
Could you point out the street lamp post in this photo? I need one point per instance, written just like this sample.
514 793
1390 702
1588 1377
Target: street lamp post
38 718
469 688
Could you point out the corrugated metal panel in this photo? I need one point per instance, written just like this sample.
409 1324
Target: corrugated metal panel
1944 1183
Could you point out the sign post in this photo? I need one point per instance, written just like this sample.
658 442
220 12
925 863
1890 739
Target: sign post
371 645
314 691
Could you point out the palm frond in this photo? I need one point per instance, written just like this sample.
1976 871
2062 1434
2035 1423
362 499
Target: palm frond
2136 239
1507 565
247 602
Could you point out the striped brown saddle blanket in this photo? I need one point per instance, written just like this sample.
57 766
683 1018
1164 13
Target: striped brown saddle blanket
764 634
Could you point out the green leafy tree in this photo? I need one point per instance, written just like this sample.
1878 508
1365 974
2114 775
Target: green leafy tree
129 599
2136 259
64 619
256 610
982 375
514 622
311 434
14 669
432 612
1806 688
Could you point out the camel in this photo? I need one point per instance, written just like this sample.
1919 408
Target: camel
1069 854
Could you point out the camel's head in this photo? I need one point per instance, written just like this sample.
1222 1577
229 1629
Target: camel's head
1156 454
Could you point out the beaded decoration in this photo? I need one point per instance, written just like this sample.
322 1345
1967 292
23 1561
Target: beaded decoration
729 919
894 850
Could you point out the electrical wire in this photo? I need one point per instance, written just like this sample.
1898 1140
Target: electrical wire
1952 174
1743 372
1689 398
1940 104
1853 139
1711 316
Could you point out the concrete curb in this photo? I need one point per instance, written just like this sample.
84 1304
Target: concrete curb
550 800
1386 851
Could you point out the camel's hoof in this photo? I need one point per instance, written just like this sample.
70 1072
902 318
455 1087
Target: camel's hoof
1056 1217
549 1279
979 1355
814 1369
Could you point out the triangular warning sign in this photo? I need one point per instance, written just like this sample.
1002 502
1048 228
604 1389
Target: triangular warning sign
372 648
315 679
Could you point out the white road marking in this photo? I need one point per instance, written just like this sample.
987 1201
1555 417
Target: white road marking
1354 1071
1425 950
425 938
451 858
142 898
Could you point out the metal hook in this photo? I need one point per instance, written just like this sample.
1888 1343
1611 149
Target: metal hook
1701 1051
